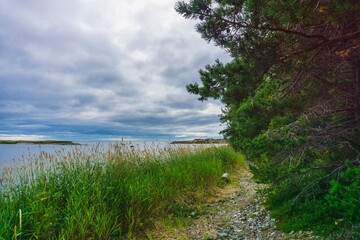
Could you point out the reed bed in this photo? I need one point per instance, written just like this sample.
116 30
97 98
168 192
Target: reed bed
104 194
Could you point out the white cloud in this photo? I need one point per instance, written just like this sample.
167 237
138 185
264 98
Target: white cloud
23 137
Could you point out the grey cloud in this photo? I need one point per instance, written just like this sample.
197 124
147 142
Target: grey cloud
101 68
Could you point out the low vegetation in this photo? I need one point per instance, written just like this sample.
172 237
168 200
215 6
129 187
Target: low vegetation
98 194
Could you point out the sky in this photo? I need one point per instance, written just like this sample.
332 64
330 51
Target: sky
102 70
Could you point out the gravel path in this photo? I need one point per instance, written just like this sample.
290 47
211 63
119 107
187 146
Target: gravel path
237 213
234 212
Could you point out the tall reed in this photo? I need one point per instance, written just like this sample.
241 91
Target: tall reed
104 194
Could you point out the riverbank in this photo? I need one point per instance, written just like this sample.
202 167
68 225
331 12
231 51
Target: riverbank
42 142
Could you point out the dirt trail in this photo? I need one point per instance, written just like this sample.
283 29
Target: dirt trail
234 212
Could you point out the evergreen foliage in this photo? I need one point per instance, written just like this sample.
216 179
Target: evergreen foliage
292 99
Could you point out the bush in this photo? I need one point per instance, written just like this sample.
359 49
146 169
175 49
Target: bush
344 195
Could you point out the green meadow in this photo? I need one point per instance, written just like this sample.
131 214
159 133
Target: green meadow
107 194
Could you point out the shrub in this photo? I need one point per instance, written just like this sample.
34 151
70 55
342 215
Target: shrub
344 195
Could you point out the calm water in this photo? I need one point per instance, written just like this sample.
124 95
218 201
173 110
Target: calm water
11 152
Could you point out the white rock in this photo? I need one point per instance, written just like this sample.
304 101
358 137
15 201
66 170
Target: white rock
225 176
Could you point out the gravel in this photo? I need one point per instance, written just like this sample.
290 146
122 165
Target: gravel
239 214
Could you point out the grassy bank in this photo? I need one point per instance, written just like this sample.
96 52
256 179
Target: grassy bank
103 195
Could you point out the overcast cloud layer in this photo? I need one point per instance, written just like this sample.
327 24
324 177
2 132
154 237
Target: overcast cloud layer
101 70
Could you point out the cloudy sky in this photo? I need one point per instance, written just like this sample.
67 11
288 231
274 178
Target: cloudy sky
101 70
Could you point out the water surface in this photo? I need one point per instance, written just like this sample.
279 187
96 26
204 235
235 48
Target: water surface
10 153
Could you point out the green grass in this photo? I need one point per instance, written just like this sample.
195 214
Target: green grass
111 194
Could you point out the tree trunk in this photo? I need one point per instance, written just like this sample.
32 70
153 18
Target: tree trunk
356 72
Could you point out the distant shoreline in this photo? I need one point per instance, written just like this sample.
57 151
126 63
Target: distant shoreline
42 142
201 141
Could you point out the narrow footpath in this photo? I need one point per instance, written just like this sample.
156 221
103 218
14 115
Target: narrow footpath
236 212
239 214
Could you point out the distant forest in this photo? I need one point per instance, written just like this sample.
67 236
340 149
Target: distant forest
57 142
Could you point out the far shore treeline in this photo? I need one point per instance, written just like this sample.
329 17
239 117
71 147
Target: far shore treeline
201 141
55 142
60 142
